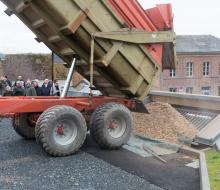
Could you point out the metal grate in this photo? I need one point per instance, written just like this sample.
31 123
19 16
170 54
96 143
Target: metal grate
198 118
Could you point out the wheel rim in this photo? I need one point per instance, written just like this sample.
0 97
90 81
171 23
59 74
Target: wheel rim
117 127
32 119
65 132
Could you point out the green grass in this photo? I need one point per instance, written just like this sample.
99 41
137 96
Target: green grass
213 164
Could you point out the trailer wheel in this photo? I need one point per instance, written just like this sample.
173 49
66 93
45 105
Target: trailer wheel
23 126
111 125
61 130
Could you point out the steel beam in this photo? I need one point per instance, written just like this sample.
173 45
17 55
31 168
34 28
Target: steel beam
138 37
68 80
188 100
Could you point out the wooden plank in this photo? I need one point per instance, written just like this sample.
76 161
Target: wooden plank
21 6
55 28
38 23
95 73
54 39
106 60
75 24
67 51
104 85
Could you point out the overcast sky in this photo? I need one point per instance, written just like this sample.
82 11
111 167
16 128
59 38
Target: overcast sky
191 17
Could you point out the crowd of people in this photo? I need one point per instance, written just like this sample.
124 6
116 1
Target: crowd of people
28 88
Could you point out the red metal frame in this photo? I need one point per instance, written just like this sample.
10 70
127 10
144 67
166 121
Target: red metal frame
161 16
158 18
11 106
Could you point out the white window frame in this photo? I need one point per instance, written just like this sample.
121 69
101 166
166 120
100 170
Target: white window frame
219 69
172 73
189 69
206 68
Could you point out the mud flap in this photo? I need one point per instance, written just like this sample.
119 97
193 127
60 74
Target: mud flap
140 107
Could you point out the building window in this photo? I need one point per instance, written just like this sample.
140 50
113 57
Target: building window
189 69
172 73
219 68
206 68
173 89
206 90
189 90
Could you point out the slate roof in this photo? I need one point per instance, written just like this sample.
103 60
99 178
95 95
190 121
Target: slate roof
197 44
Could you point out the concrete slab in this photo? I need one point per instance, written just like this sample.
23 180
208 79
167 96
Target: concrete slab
194 164
204 177
137 150
136 143
218 144
210 133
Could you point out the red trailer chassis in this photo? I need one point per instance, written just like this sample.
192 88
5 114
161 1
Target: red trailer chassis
35 105
11 106
60 124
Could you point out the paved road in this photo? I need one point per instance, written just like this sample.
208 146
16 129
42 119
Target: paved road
173 175
24 166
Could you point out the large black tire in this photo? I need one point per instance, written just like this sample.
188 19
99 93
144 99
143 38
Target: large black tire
102 120
61 130
23 127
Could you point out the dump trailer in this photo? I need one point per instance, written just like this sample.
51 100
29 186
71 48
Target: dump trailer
115 44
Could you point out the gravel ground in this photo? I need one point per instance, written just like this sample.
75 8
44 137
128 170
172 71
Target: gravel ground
23 165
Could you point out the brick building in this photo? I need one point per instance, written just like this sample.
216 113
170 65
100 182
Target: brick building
198 66
2 57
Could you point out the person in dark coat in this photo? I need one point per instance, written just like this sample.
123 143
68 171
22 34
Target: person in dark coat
37 88
18 89
8 81
55 90
3 85
45 88
29 88
8 91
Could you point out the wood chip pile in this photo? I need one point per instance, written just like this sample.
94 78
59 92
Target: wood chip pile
164 123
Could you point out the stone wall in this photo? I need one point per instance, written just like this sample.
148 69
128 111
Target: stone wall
34 66
1 70
27 65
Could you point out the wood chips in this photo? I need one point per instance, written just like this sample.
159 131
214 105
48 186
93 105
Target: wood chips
164 123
